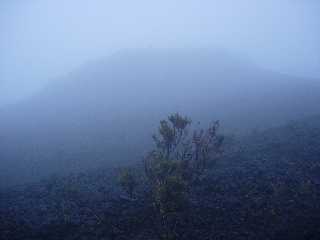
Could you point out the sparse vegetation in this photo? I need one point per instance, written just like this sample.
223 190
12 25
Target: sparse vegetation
254 191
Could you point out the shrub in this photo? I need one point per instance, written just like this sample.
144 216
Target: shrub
171 170
128 181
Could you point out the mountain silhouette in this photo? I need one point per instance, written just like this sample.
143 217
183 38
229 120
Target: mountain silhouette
105 112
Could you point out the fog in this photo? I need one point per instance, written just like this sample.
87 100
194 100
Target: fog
75 73
162 120
44 40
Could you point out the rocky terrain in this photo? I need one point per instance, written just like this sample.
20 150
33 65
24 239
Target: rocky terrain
266 186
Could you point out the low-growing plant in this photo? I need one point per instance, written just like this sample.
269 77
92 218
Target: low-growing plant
128 181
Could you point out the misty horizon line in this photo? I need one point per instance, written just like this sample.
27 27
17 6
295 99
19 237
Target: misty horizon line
140 51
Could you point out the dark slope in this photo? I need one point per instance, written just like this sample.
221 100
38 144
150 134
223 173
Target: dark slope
106 111
267 187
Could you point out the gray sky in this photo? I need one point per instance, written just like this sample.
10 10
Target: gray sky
43 39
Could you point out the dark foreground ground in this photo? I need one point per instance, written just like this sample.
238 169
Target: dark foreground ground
267 186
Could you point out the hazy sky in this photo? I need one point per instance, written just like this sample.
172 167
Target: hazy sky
43 39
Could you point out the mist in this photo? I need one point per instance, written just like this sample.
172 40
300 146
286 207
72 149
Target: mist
167 120
43 40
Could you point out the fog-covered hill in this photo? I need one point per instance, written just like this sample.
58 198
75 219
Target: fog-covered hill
106 111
